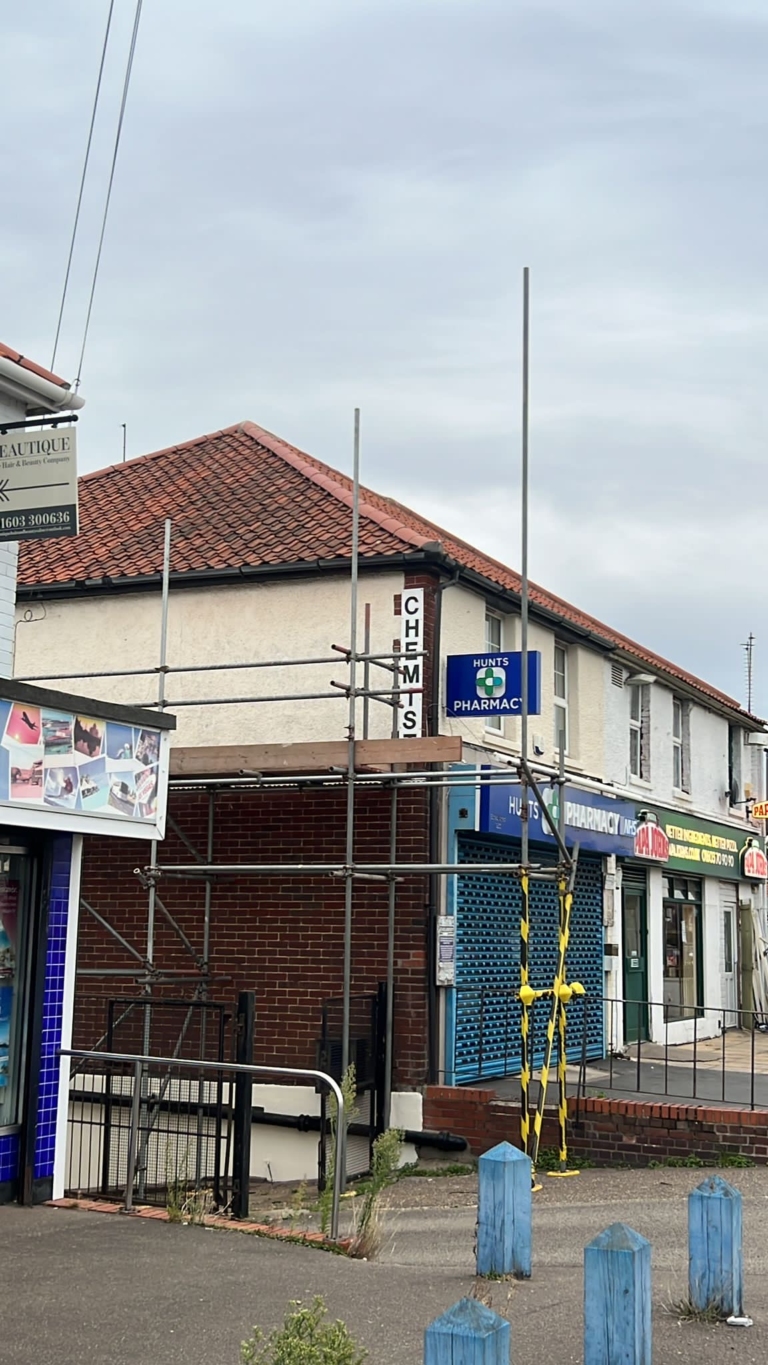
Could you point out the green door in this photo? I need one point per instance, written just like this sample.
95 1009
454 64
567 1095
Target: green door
635 964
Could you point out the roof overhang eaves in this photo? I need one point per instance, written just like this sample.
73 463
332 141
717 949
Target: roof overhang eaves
685 688
194 578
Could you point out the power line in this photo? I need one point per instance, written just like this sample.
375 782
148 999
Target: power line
82 182
123 102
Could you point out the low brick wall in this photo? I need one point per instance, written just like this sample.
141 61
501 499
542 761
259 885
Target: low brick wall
608 1132
480 1117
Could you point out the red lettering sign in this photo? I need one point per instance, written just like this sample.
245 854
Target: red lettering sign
754 864
651 842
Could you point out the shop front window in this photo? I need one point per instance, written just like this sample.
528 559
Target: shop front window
682 948
14 924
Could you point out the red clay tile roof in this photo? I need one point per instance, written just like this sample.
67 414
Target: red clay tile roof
243 498
9 354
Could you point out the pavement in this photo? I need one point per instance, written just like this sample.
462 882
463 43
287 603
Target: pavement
730 1070
84 1287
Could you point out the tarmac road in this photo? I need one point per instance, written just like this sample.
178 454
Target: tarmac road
80 1287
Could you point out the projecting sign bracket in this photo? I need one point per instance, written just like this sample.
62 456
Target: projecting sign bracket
35 422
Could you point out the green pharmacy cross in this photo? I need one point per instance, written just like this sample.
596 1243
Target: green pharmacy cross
491 682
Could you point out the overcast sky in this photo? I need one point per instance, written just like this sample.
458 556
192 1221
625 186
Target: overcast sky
323 203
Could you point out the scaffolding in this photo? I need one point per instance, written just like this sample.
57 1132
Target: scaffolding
147 973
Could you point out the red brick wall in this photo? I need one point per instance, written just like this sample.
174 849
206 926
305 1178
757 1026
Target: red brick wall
627 1131
479 1116
608 1132
280 936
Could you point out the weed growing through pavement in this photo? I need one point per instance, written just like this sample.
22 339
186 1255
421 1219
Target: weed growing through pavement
387 1151
305 1338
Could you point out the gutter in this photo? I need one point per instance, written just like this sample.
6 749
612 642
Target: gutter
38 395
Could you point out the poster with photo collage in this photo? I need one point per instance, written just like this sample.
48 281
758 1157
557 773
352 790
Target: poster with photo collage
78 763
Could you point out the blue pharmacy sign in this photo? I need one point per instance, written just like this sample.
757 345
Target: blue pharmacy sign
596 822
491 684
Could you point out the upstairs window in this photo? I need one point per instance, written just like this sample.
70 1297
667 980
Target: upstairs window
493 645
680 745
735 793
639 730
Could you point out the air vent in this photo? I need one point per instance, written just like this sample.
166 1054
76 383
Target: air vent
617 675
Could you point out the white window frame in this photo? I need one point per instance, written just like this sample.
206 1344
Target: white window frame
494 723
560 703
636 728
678 753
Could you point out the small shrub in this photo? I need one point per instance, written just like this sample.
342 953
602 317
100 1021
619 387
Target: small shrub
305 1338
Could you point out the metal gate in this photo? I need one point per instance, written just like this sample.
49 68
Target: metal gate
487 1029
185 1120
367 1023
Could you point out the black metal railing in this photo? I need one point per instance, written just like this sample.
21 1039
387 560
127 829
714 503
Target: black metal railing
163 1130
654 1049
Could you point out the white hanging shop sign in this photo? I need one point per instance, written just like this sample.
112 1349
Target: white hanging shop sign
38 483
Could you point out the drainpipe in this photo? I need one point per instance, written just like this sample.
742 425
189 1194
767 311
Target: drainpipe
433 726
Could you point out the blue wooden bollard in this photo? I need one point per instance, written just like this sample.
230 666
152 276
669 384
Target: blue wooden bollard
504 1213
468 1334
715 1271
617 1298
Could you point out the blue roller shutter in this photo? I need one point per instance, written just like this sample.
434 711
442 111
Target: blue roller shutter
487 1040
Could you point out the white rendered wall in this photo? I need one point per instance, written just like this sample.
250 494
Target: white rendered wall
286 620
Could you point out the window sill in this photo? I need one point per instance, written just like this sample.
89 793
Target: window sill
640 782
681 795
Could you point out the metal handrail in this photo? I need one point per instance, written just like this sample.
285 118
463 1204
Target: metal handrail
304 1073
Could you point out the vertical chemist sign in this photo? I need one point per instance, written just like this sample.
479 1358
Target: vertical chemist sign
412 664
38 484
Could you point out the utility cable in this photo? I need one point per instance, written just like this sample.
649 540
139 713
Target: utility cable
82 182
123 102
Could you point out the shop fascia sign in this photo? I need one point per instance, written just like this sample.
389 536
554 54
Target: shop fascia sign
681 843
73 771
491 684
38 483
598 823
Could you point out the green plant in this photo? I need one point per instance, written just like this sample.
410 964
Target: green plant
686 1311
305 1338
387 1150
299 1203
548 1159
177 1184
431 1172
349 1095
734 1159
692 1161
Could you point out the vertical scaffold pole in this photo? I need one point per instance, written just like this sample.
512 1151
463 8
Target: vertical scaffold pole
351 755
525 921
562 1056
525 1021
